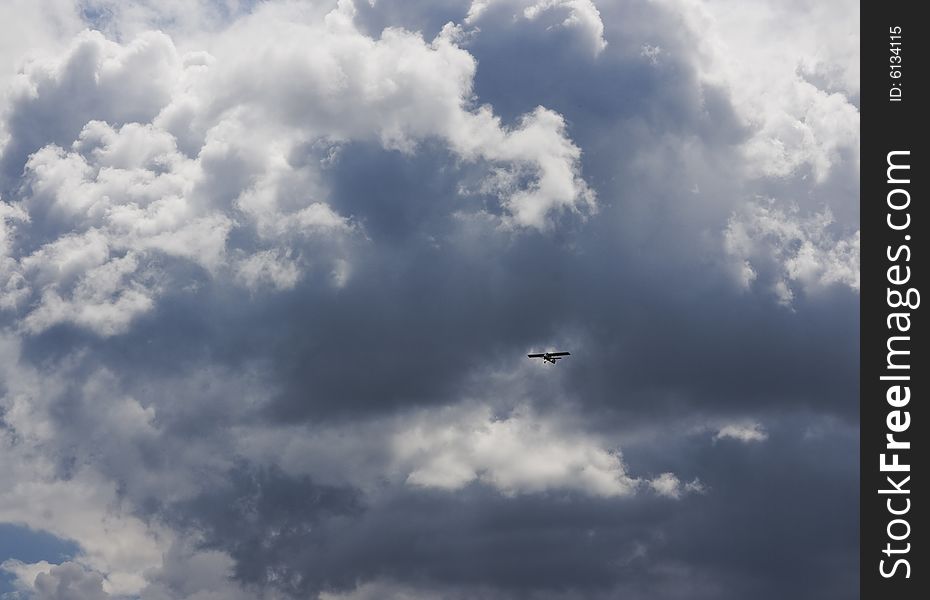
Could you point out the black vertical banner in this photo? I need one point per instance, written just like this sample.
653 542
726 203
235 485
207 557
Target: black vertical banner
895 378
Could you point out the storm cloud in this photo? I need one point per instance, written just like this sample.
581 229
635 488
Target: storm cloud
269 272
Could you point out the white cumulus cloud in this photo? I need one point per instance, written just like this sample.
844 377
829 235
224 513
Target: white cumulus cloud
519 453
743 432
134 152
792 250
800 106
670 486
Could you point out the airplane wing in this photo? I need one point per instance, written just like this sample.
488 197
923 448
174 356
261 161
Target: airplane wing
535 355
560 354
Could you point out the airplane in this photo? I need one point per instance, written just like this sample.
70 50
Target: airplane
550 357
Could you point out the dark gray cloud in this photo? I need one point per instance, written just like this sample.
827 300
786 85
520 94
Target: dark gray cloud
281 323
265 519
565 544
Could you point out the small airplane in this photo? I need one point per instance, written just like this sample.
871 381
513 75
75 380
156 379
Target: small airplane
550 357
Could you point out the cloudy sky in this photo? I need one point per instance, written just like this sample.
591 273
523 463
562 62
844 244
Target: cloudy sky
269 272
